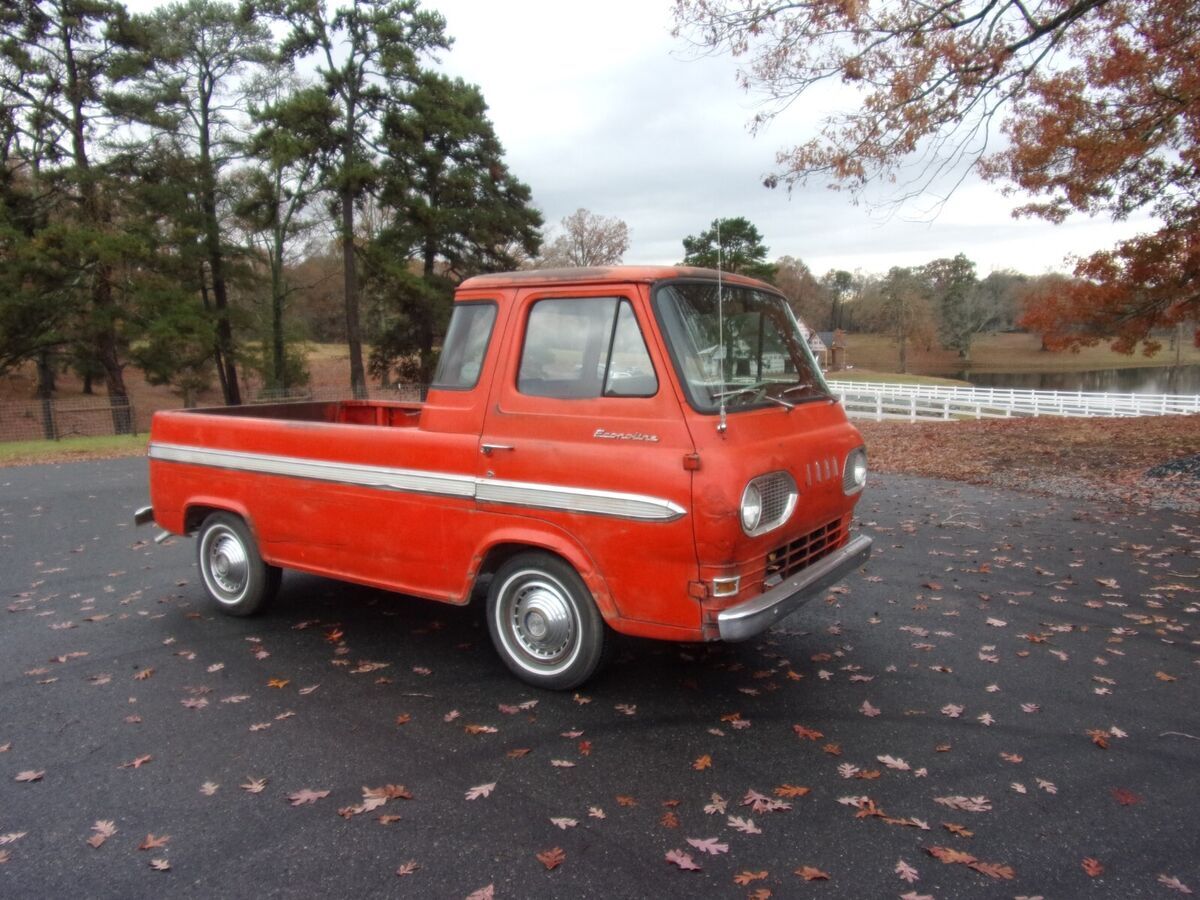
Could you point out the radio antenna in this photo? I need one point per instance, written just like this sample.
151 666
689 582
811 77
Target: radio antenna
722 424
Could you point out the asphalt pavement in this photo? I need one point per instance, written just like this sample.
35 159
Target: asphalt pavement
1003 704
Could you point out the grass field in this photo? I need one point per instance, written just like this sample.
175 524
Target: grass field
892 378
1000 353
22 453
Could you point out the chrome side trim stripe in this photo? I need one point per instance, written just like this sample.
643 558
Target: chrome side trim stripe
582 500
316 470
487 490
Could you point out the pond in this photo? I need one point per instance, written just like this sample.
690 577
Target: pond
1142 380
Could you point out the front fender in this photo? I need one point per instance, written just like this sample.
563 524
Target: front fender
538 535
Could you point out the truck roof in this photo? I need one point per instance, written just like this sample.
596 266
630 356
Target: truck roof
603 275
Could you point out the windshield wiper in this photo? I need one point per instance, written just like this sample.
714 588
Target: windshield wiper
760 393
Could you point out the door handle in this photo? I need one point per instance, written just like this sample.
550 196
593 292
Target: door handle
488 449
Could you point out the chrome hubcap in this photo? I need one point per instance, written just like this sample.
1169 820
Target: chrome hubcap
227 563
541 621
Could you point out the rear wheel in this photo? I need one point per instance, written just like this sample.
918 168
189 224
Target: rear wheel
544 622
234 573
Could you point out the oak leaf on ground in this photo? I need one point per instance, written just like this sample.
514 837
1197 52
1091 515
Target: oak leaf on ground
683 860
711 846
747 877
811 873
307 795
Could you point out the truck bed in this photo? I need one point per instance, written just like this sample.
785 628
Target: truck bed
386 413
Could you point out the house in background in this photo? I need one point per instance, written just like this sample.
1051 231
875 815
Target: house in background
829 347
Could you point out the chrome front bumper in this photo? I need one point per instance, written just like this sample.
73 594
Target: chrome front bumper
744 621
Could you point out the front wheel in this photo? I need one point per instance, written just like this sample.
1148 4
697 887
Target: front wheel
544 623
234 573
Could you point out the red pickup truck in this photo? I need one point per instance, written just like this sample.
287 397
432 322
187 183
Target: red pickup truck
650 450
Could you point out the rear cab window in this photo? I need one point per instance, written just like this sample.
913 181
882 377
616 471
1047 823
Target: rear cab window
465 347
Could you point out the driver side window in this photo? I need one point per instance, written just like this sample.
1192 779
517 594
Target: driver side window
585 348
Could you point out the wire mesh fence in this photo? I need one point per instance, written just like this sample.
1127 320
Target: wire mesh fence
55 420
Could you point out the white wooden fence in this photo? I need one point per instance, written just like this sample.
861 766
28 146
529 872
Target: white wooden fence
912 402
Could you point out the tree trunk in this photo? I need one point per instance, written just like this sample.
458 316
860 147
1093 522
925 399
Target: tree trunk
45 391
279 380
218 356
358 378
216 264
104 307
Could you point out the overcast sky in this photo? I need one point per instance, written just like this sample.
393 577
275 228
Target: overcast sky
599 107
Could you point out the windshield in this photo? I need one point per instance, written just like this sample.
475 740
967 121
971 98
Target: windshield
760 359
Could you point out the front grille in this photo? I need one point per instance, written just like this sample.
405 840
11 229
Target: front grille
784 562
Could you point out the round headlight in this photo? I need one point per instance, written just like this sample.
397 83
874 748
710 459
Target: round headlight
855 476
751 507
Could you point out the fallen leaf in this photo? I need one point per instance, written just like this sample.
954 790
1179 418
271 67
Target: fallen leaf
1170 881
484 893
209 788
745 826
564 823
790 791
160 865
906 872
552 858
810 873
958 830
745 878
1099 737
807 734
868 710
254 785
711 846
702 762
279 683
970 804
407 869
1092 866
480 729
154 842
306 796
1125 797
103 830
30 775
483 790
683 860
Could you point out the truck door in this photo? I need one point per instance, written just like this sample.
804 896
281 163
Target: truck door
584 434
